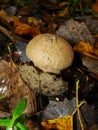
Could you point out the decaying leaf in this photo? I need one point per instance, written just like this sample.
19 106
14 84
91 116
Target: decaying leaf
23 28
20 27
13 88
87 49
63 123
5 18
74 31
89 55
56 109
95 7
91 64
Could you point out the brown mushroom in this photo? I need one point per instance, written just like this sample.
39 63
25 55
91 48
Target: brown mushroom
50 53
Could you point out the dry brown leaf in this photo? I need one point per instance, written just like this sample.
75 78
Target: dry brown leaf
63 123
95 48
2 12
30 124
87 49
89 56
19 27
23 28
5 18
95 7
91 64
13 87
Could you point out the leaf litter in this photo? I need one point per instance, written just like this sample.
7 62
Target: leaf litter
12 83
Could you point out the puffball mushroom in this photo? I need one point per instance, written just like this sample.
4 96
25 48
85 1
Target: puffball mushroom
50 53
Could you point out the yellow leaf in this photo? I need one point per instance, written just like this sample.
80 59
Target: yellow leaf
87 49
63 123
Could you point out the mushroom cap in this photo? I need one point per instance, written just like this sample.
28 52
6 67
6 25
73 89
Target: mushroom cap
50 52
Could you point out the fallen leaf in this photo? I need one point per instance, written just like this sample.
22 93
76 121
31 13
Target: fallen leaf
30 124
62 108
19 27
5 18
74 31
23 28
63 123
89 56
13 88
95 48
2 12
91 64
95 7
87 49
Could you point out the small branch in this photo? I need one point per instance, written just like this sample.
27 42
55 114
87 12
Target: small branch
6 32
81 103
77 105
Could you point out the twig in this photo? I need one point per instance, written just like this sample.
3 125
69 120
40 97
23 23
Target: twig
6 32
81 103
77 105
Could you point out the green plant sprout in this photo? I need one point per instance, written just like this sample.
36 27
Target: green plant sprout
17 120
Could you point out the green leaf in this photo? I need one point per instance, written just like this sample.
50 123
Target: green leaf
21 126
19 108
5 122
